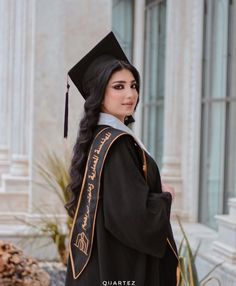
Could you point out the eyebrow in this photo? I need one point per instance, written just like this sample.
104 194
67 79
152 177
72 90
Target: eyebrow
123 81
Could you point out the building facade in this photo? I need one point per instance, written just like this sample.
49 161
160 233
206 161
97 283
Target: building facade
185 51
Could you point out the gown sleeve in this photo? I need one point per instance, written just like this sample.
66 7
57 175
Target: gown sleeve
133 214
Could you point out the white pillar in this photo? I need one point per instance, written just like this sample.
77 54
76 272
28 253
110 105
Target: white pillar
20 112
5 21
174 78
139 24
18 178
191 106
182 99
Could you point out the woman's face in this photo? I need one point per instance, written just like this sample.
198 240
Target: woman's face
121 95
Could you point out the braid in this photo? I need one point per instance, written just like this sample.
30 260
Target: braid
80 153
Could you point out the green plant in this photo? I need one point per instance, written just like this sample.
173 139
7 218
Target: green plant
50 226
188 275
55 175
53 171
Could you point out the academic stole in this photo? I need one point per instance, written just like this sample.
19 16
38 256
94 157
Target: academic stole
82 231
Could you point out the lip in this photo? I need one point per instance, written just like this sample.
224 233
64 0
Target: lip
128 103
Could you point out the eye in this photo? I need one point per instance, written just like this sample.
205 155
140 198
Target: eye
135 86
118 86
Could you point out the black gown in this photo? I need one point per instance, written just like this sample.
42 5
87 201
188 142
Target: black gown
132 225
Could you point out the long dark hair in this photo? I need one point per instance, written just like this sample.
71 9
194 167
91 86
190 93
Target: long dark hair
94 84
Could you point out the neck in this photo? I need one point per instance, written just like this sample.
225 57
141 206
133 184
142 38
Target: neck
109 116
121 118
111 120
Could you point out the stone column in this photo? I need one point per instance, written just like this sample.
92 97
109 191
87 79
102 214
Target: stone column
139 24
191 106
174 78
5 25
183 72
18 178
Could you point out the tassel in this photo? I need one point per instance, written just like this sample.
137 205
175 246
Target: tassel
66 110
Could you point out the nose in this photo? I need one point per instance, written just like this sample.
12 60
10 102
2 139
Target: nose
130 92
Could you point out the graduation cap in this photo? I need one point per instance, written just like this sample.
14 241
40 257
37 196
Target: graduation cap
107 46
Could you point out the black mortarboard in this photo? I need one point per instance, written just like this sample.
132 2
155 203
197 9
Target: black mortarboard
107 46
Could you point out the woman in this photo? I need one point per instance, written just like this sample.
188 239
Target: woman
121 233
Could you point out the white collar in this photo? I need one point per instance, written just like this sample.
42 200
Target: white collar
111 120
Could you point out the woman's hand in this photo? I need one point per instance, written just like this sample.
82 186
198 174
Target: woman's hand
168 189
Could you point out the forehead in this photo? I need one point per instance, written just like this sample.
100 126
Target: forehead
123 74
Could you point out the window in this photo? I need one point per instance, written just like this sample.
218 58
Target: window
218 138
154 70
122 24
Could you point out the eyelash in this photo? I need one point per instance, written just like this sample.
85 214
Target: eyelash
121 86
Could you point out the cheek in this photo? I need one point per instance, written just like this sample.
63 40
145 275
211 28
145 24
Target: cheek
111 101
115 98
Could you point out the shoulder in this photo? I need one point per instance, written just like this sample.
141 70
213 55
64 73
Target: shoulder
125 149
122 142
125 142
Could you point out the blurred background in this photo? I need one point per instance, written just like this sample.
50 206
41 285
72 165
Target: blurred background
185 51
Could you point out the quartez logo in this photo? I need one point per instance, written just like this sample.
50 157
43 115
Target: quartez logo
117 283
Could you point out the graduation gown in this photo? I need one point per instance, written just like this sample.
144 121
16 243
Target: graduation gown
132 224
